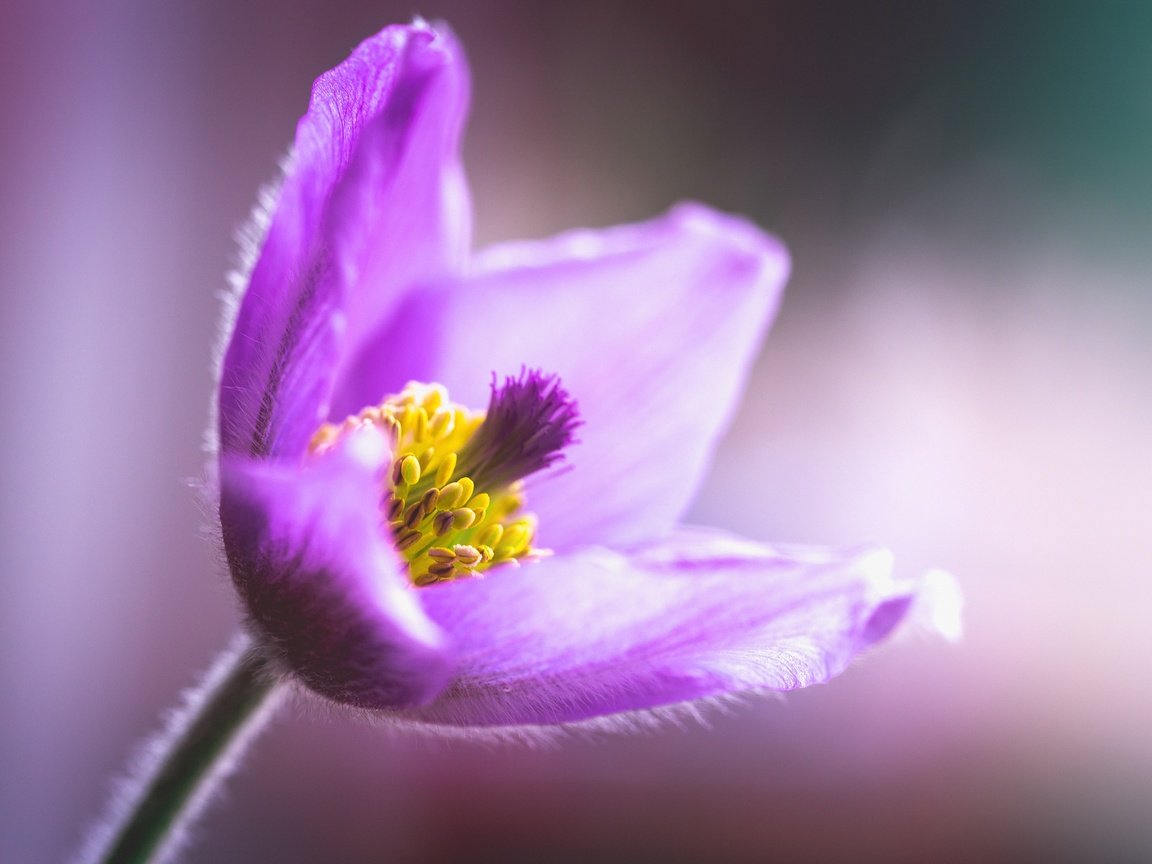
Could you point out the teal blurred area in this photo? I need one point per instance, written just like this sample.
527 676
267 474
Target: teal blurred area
962 369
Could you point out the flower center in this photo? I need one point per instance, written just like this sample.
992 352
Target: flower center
453 499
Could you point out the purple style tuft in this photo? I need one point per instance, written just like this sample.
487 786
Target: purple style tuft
530 420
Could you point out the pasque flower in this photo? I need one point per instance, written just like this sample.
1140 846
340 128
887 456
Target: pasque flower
450 482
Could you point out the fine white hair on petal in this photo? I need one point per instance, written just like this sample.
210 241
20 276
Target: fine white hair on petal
680 715
249 238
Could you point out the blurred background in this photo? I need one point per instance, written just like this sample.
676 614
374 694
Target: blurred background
961 369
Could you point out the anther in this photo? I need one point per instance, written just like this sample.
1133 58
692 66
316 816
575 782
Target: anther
450 496
324 436
406 541
434 396
407 420
395 508
469 556
467 488
463 518
441 425
410 470
516 537
491 535
441 570
446 469
414 515
442 522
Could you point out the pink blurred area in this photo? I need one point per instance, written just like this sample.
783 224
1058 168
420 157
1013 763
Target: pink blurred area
962 370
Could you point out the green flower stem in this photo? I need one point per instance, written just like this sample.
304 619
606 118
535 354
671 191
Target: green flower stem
185 765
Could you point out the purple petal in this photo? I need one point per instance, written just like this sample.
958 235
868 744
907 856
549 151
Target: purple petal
575 637
373 201
322 587
650 327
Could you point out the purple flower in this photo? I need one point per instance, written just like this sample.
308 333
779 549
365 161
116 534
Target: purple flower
445 550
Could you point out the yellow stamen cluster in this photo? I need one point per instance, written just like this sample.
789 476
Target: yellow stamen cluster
440 522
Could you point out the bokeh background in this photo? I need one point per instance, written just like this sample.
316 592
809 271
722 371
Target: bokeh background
962 368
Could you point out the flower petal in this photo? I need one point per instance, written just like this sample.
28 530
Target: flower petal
574 637
651 328
373 200
322 588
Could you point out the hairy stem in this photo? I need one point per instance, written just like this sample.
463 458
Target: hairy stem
181 769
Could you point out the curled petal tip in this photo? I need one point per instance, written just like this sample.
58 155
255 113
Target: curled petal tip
761 251
939 605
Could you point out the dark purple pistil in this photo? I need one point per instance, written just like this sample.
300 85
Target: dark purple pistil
529 422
